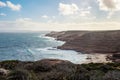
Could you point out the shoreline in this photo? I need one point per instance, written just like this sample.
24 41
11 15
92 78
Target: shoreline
92 57
95 54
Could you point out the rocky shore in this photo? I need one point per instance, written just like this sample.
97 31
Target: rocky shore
101 42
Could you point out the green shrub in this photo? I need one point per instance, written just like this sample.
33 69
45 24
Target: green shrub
18 75
112 75
10 64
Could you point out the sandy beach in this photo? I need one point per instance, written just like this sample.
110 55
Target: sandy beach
97 58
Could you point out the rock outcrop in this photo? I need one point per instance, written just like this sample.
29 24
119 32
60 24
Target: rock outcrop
3 71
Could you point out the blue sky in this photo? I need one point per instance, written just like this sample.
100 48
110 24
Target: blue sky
30 8
59 14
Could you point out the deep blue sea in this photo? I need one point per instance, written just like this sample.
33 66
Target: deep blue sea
34 46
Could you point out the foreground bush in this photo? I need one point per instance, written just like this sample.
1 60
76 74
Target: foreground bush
18 75
59 70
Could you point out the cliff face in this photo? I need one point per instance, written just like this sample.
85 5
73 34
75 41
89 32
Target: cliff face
89 41
66 35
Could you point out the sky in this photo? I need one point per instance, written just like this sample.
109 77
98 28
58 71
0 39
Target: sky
58 15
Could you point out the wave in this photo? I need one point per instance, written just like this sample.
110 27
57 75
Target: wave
46 49
46 37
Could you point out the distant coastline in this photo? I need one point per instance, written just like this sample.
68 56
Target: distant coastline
90 42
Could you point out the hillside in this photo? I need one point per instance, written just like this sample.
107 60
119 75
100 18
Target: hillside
53 69
89 41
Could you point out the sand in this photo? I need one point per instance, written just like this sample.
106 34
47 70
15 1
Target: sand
97 58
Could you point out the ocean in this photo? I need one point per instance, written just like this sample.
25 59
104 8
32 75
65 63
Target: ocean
33 46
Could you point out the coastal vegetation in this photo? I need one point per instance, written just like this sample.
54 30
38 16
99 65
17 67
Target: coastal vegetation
54 69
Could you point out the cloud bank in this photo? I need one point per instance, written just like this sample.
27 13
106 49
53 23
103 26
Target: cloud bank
23 24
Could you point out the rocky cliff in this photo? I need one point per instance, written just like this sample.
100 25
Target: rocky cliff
89 41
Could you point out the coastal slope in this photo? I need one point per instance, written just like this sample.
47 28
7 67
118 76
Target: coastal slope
54 69
89 41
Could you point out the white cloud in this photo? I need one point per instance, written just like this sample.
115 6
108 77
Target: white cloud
73 13
84 12
68 9
23 19
2 4
3 14
45 16
14 7
110 14
110 6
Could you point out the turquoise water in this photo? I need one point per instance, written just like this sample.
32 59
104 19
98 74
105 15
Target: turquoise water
34 46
